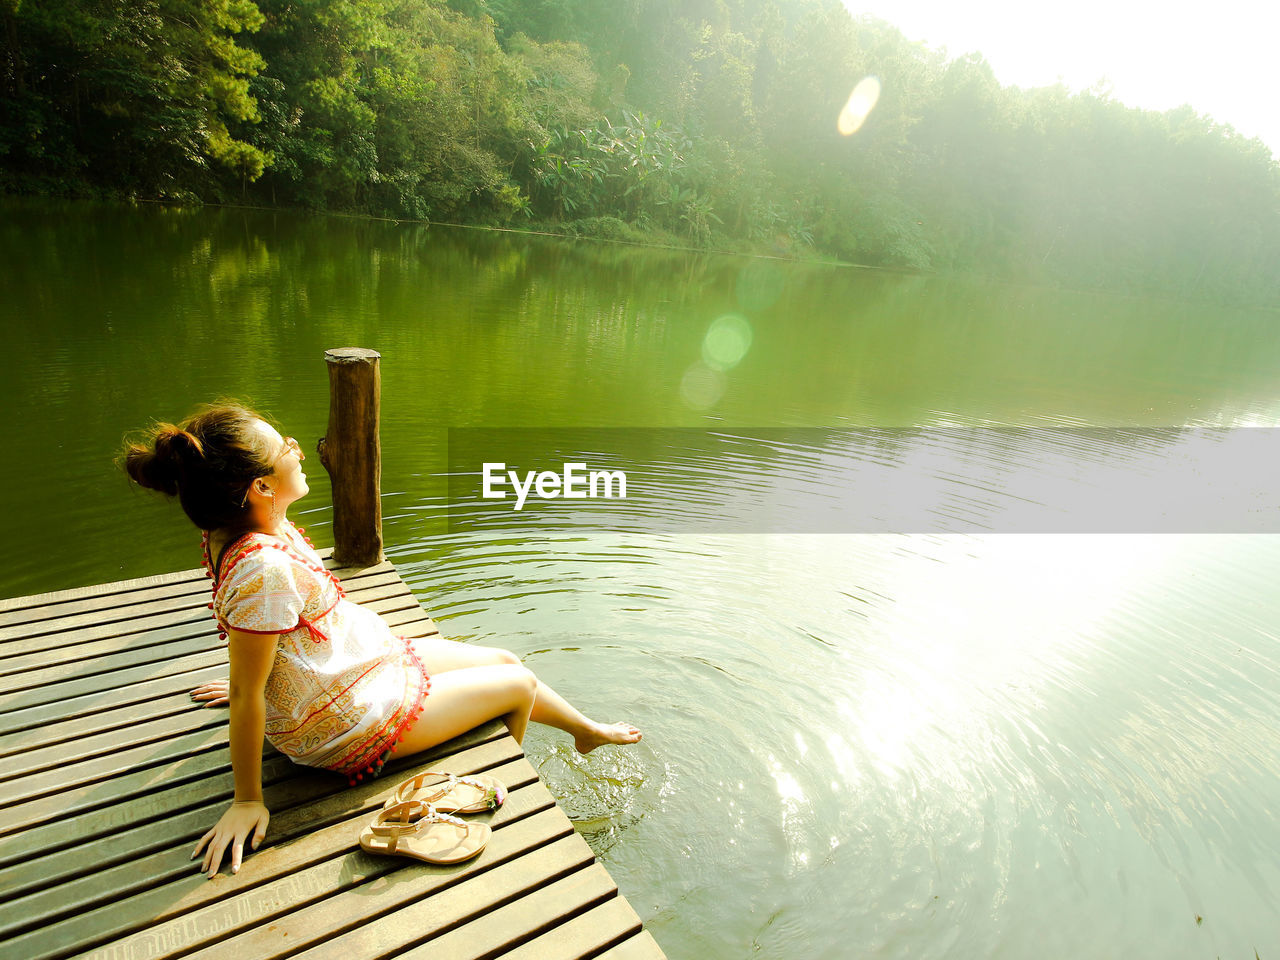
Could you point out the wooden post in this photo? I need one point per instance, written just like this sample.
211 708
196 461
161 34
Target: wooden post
352 454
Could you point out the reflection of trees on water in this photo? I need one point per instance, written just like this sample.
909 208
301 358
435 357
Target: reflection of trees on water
555 331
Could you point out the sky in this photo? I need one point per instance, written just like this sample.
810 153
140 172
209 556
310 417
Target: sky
1220 58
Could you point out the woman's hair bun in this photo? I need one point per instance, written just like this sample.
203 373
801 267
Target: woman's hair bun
207 461
160 465
174 442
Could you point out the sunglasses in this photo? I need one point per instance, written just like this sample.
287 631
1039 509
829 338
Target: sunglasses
290 446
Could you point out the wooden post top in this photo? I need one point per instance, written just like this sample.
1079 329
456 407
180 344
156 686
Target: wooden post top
350 355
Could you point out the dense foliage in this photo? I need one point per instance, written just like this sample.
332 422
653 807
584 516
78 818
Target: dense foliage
705 122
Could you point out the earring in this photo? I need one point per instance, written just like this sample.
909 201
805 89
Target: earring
275 509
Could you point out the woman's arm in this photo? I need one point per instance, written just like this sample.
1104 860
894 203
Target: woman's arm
251 658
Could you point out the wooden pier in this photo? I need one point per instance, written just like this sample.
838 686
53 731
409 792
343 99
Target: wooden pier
111 774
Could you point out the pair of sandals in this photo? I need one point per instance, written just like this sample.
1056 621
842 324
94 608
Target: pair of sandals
416 821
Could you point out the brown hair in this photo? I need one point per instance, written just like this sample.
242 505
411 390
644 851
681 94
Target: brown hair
207 462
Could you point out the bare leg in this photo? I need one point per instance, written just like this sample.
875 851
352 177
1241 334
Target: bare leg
462 699
439 656
554 710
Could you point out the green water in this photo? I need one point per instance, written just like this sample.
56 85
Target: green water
856 745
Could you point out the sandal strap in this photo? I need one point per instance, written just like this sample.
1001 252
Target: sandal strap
402 814
408 818
413 783
410 813
407 789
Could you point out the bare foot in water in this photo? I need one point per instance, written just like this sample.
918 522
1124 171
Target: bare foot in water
602 733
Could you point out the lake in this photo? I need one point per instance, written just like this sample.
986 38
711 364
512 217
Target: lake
963 740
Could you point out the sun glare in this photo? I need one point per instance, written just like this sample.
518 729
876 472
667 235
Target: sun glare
861 102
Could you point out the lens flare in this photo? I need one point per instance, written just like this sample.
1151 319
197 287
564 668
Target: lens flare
861 102
701 387
727 341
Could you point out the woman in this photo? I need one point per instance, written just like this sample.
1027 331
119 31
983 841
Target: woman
324 680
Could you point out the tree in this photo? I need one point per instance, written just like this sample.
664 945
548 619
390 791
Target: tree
130 95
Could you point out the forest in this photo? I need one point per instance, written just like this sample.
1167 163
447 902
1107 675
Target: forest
701 123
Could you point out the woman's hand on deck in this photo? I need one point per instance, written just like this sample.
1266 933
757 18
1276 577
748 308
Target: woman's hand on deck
215 693
241 821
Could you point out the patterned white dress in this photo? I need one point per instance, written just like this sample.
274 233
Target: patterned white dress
343 689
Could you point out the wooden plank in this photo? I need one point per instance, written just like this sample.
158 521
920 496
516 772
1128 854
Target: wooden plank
30 690
78 593
64 780
104 623
36 607
141 640
34 731
127 626
121 726
602 926
106 601
15 605
28 760
640 947
199 638
139 633
540 908
97 683
185 814
104 638
425 900
96 703
41 706
203 757
318 903
55 845
172 638
104 597
198 595
309 835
